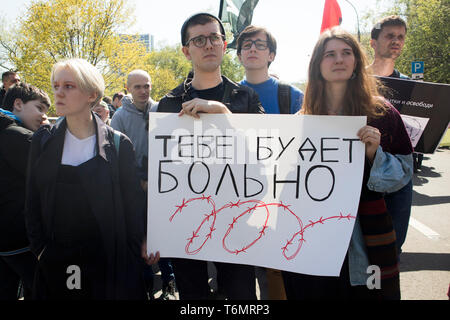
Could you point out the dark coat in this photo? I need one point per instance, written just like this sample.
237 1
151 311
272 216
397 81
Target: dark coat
119 210
15 142
238 98
2 96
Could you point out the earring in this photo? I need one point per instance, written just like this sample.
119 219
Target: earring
353 75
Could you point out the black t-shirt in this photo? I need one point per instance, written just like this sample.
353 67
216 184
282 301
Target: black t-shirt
395 74
214 94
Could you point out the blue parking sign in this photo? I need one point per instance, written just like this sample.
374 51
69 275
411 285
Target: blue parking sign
417 67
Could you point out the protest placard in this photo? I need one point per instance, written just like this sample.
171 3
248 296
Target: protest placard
276 191
425 110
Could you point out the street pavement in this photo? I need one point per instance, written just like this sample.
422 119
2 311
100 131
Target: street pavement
425 260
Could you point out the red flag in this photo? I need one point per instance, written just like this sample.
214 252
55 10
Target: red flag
332 15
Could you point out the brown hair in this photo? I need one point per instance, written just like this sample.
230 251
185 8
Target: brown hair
24 92
362 93
196 19
386 22
6 74
249 32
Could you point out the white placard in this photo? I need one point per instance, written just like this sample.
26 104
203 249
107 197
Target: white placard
276 191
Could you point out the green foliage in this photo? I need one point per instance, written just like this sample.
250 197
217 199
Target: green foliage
163 81
173 59
232 68
53 30
428 39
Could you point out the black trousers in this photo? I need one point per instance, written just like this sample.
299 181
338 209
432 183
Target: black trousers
13 269
236 281
306 287
56 278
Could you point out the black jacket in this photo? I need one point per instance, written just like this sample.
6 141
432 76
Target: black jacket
15 142
238 98
119 211
2 96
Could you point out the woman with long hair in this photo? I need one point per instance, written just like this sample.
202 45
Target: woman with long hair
85 210
339 84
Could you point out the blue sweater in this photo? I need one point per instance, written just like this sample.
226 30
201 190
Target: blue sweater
268 95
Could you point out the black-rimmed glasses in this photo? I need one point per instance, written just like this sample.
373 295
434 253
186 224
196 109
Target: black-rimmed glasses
259 44
200 41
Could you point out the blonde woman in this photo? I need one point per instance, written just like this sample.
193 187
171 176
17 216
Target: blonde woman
85 212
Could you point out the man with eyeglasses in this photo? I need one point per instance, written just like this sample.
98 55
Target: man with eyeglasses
208 91
256 50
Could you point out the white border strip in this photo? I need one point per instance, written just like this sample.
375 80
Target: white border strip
429 233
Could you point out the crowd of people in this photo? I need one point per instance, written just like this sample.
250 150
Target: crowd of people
73 193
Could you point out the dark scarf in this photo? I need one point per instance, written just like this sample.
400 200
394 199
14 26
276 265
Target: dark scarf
379 237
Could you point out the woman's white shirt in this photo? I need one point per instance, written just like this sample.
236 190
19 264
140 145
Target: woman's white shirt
77 151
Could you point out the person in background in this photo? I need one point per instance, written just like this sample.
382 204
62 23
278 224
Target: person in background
116 103
340 84
132 120
256 50
101 109
107 100
24 112
9 78
85 212
388 38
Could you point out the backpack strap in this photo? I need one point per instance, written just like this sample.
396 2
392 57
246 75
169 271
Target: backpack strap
117 141
284 98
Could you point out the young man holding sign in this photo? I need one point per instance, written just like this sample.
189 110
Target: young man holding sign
203 41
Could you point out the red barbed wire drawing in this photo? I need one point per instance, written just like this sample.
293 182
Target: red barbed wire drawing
255 204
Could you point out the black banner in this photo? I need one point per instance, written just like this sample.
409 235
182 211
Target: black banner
425 108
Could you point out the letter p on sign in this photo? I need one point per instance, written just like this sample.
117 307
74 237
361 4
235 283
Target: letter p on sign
417 67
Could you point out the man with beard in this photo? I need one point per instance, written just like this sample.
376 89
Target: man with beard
388 38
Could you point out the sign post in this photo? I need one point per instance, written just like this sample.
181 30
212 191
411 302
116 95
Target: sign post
417 68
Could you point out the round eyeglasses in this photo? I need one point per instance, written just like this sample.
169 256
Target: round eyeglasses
200 41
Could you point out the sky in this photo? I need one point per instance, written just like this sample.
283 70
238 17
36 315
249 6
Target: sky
294 23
